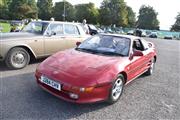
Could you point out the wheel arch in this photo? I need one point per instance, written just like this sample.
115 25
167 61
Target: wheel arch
155 58
29 50
125 75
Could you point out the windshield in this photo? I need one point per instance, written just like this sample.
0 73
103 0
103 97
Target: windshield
36 27
104 44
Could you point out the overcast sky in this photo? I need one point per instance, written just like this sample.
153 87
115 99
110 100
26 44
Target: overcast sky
167 9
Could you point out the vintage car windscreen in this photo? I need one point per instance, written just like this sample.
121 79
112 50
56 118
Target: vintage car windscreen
36 27
71 29
104 44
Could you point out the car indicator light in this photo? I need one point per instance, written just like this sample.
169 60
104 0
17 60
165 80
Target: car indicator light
88 89
82 89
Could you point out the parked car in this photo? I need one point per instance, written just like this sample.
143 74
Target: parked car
143 34
38 39
168 37
100 30
16 26
131 32
108 30
97 69
153 35
92 29
119 31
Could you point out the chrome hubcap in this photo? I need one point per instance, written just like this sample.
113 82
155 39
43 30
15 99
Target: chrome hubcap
18 58
117 89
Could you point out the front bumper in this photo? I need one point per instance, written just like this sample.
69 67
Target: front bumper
99 93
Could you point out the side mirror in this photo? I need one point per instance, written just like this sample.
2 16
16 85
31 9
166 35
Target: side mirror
78 43
137 53
53 33
150 44
131 56
50 33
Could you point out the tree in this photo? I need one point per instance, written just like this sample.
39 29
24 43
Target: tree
147 18
45 8
2 3
176 26
114 12
64 10
88 12
21 9
131 17
4 11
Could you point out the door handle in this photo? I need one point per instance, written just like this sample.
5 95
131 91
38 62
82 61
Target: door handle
35 40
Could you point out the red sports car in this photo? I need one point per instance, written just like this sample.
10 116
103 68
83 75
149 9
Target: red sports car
97 69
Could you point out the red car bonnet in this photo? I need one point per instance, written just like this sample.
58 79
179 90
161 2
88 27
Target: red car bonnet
75 66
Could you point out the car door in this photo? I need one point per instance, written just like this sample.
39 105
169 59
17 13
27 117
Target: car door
148 54
137 63
54 38
36 41
37 45
72 35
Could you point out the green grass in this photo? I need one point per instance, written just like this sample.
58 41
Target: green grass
5 27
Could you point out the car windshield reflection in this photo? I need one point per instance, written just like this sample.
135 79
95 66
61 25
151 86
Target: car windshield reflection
36 27
104 44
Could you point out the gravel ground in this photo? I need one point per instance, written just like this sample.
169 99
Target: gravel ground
152 97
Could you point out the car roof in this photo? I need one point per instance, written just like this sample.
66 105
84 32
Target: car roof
120 35
58 22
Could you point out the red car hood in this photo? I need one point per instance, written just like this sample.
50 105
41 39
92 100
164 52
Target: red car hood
72 65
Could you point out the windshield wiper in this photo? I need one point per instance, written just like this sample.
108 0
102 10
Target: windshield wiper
110 53
99 52
86 50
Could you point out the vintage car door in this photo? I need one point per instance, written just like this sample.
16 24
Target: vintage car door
72 35
36 41
37 45
54 38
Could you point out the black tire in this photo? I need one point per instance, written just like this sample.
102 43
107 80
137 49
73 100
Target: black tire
112 99
17 58
151 68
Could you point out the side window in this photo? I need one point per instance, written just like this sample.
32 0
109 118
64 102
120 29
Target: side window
145 44
138 45
71 29
56 29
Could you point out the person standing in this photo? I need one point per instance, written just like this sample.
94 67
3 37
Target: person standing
85 26
52 19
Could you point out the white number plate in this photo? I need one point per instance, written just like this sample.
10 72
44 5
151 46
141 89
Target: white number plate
51 83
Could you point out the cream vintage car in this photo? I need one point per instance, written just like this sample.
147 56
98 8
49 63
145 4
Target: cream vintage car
38 39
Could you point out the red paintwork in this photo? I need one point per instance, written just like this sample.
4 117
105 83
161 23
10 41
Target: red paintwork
79 69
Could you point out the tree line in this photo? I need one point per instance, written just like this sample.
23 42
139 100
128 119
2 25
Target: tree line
176 26
111 12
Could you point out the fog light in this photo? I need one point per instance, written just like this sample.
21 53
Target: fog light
82 89
73 96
